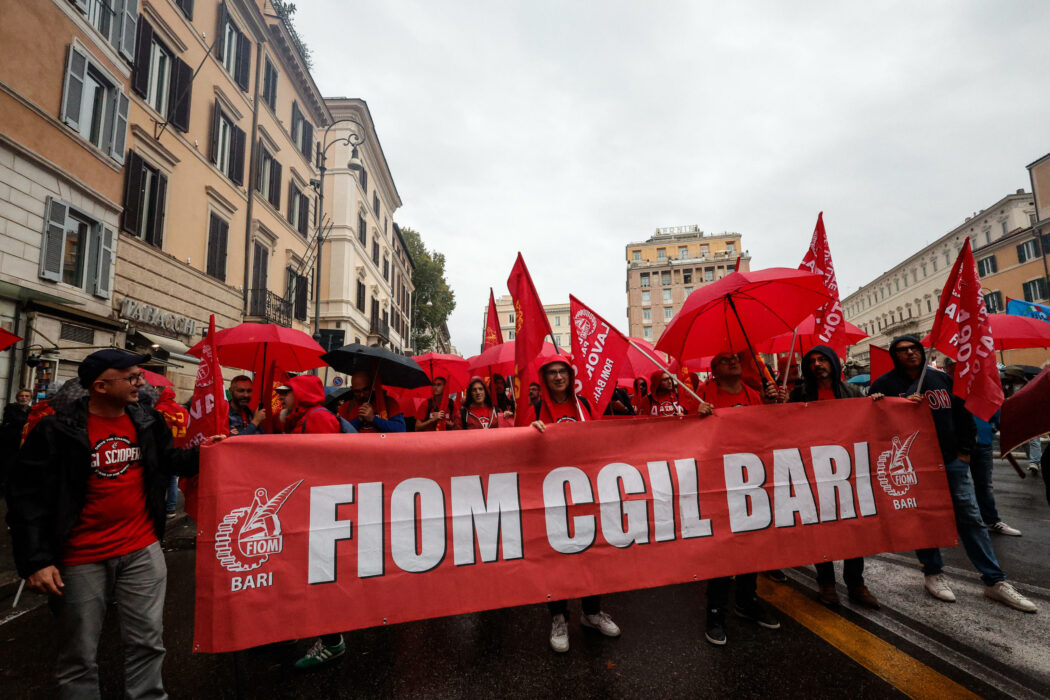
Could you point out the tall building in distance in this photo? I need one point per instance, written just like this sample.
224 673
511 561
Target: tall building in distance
904 299
557 316
665 269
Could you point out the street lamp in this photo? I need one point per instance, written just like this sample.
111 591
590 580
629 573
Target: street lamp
354 139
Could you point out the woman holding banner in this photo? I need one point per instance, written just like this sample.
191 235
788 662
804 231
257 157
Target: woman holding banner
558 404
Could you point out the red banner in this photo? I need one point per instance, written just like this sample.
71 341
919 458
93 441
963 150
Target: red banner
530 328
599 353
209 410
493 334
829 319
962 332
310 540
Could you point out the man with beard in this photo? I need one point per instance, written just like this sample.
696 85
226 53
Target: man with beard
956 434
559 404
663 401
242 420
369 409
822 381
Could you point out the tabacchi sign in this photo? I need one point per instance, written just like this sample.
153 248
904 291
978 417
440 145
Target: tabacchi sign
367 536
134 310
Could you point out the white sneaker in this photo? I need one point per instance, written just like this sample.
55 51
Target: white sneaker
937 585
1008 595
559 634
1004 529
601 622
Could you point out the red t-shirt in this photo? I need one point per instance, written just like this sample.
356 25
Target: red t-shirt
481 418
115 520
663 405
825 394
552 412
720 399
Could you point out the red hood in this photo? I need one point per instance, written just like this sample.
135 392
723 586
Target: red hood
307 389
654 381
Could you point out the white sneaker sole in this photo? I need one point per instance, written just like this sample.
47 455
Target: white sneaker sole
596 628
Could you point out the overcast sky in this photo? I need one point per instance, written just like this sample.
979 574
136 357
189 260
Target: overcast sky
566 130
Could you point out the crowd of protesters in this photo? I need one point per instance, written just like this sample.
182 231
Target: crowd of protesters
92 481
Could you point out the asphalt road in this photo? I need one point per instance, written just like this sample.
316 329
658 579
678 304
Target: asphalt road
914 646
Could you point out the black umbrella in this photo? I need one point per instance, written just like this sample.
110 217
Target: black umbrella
394 370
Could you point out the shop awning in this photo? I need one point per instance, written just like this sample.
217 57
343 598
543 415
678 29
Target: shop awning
174 349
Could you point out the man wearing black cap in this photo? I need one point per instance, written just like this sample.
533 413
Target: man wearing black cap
86 512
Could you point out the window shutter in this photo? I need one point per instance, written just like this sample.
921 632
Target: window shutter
157 235
181 91
237 156
275 185
1020 254
73 90
214 147
304 214
105 263
293 192
53 241
244 60
308 139
133 193
140 78
81 5
302 286
1035 245
127 35
119 124
220 34
187 8
224 232
212 263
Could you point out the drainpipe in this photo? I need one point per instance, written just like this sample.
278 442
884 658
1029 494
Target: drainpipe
23 374
251 172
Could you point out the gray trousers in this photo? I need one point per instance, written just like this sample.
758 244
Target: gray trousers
136 583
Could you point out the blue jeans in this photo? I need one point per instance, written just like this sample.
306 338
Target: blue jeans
981 471
972 531
1035 451
173 494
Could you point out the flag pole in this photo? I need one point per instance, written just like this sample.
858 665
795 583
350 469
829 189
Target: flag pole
657 363
790 358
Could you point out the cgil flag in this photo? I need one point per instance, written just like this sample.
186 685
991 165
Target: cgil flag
530 328
599 353
962 332
829 320
209 411
493 334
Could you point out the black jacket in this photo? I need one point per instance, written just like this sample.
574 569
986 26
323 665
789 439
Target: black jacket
808 390
48 486
956 430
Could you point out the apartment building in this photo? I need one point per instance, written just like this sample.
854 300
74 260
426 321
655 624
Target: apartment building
666 268
557 317
366 280
904 299
65 70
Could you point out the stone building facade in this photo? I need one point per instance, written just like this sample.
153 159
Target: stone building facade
557 317
665 269
904 299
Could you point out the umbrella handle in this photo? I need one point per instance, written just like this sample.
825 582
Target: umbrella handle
790 357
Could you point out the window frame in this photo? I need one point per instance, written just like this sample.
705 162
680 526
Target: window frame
111 113
95 254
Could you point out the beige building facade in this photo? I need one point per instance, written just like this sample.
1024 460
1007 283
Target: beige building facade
665 269
557 316
904 299
366 282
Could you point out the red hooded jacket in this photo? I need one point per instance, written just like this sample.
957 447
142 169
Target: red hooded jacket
309 416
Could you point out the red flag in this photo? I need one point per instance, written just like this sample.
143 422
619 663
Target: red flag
1024 414
599 353
880 361
530 328
7 339
962 332
493 334
209 412
829 321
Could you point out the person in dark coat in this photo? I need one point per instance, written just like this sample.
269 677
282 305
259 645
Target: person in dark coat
822 381
15 416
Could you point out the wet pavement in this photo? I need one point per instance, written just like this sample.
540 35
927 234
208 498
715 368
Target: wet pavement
978 644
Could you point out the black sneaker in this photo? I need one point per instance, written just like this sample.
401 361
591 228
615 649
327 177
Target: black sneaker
716 629
756 612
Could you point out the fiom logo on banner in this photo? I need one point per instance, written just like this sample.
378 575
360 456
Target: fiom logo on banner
248 536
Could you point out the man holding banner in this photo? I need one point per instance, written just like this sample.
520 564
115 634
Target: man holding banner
86 511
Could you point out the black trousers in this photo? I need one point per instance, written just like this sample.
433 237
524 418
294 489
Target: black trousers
718 591
852 572
592 605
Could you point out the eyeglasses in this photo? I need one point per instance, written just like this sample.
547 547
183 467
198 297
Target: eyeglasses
908 348
557 372
132 379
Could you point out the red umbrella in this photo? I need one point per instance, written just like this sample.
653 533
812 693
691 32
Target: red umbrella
7 339
453 368
1011 332
156 380
807 338
740 309
499 359
257 346
638 365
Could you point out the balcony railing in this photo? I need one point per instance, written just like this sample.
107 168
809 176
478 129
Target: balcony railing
380 328
262 303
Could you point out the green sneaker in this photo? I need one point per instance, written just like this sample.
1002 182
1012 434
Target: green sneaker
320 654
